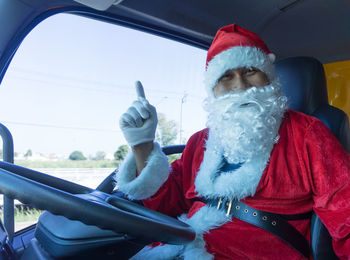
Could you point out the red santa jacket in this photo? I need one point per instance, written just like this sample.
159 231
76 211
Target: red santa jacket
307 170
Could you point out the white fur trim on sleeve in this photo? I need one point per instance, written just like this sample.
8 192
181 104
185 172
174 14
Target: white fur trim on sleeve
151 178
161 252
205 219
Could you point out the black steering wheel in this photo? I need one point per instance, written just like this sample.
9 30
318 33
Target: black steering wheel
90 206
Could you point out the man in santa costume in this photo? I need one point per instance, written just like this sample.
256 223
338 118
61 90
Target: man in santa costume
255 152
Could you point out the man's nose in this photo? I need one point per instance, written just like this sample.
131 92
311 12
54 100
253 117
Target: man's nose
240 84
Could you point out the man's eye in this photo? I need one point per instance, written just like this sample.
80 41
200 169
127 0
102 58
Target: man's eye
250 72
226 77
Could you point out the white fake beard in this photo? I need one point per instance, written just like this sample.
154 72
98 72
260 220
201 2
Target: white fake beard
246 123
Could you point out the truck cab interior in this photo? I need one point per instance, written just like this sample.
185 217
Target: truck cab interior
311 40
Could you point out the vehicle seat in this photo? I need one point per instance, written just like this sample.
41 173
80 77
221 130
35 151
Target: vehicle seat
303 81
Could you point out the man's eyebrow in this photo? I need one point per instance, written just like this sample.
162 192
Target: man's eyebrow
224 75
227 72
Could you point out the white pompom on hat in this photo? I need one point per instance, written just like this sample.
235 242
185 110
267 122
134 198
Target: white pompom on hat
235 47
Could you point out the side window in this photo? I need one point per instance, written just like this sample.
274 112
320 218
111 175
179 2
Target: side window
338 82
70 81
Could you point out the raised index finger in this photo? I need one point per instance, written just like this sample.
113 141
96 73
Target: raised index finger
139 90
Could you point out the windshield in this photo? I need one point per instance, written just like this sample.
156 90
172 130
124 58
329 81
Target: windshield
71 80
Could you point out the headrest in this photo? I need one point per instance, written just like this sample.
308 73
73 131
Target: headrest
303 81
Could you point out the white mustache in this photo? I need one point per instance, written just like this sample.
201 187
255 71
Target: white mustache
246 123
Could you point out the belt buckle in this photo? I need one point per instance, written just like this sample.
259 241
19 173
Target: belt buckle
219 203
229 206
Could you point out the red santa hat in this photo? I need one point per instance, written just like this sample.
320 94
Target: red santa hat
235 47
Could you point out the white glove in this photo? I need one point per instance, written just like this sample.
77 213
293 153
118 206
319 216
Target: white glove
139 123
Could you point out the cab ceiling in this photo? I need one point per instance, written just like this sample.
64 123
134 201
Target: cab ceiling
319 28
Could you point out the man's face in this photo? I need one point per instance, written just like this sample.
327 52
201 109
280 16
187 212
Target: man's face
239 80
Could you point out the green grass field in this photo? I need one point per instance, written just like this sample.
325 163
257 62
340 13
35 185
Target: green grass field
68 164
24 216
77 164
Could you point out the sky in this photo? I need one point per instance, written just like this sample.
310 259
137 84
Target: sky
73 77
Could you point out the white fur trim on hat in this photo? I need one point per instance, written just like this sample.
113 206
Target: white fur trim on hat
151 178
234 58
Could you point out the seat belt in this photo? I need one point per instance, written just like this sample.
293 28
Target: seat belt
271 222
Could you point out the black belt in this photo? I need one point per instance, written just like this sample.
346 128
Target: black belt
273 223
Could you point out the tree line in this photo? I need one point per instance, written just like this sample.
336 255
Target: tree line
166 134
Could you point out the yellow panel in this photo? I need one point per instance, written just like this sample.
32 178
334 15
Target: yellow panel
338 84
